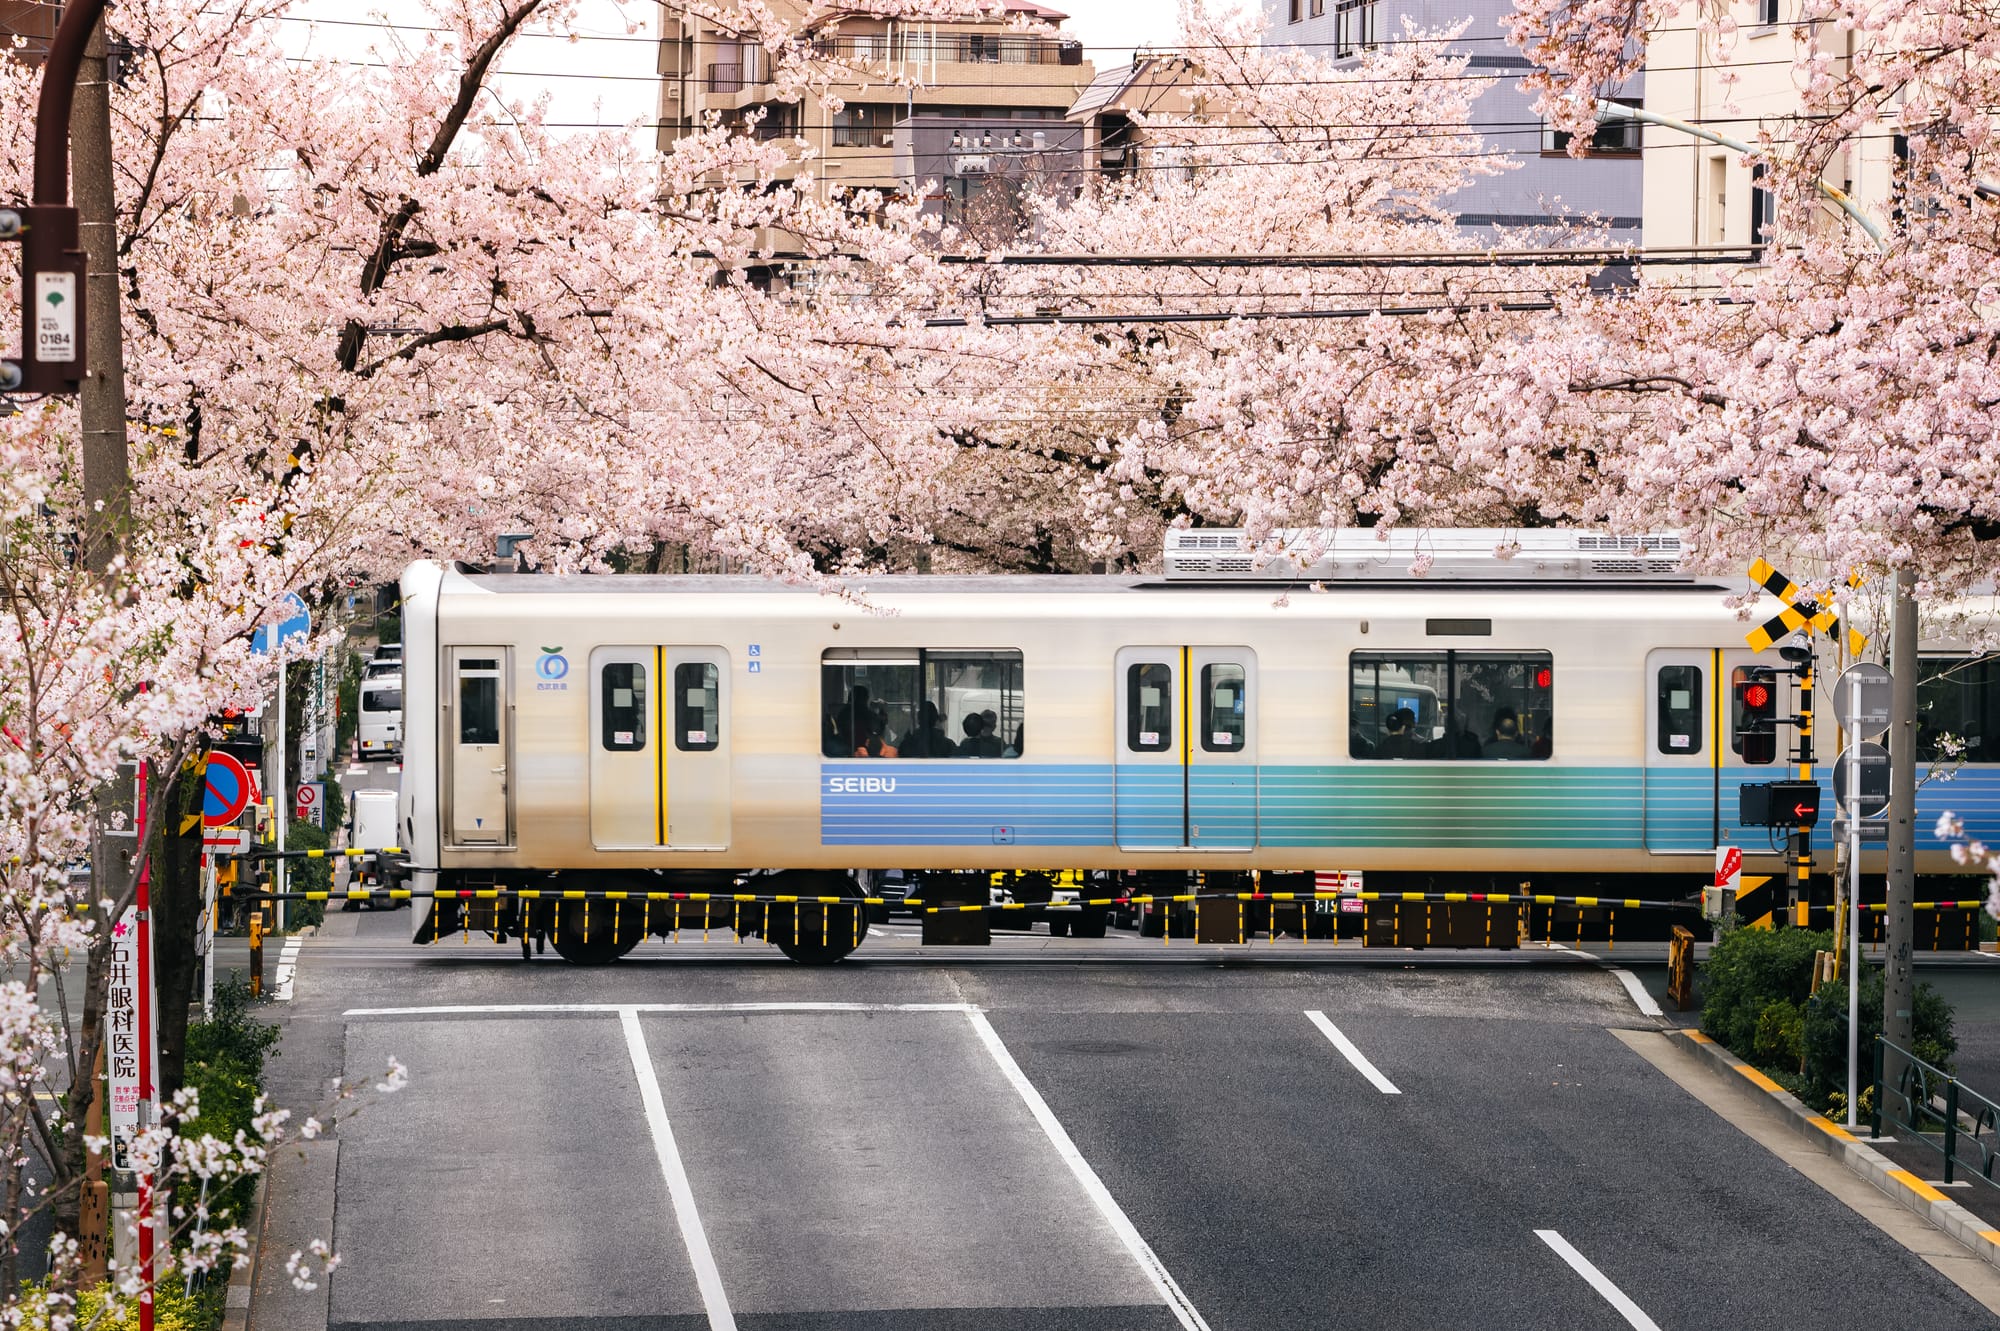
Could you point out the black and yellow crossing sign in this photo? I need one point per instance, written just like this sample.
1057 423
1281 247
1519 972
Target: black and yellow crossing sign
1799 612
1756 901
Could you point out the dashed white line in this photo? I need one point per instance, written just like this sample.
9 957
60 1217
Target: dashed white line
1114 1215
288 969
511 1009
1647 1003
714 1299
1353 1055
1613 1295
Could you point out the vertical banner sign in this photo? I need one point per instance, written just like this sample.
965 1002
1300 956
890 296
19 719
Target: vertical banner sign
121 1031
55 317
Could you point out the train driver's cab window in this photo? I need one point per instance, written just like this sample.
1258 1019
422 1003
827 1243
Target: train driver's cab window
624 707
1451 706
922 703
697 707
1149 707
1958 709
1680 709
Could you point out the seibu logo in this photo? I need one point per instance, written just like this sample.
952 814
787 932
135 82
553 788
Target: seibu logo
861 785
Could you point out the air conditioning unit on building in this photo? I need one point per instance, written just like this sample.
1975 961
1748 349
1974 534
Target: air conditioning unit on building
886 139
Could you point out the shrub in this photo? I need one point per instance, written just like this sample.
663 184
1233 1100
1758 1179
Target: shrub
173 1310
1748 972
1825 1034
225 1064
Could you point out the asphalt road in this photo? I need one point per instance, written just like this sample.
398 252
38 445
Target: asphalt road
1093 1136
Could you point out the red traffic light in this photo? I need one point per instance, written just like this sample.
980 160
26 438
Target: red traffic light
1757 695
1544 677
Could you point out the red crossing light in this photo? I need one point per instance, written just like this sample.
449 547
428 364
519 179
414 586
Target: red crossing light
1544 677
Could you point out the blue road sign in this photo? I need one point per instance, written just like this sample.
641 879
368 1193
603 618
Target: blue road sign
297 623
226 790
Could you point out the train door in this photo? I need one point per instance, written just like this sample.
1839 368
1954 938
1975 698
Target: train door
696 711
1681 751
659 766
1186 748
479 732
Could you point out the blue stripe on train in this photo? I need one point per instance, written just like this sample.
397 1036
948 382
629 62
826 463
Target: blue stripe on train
1359 804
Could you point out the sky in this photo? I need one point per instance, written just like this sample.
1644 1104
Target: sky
607 77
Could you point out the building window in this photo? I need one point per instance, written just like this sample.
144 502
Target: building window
1612 138
1452 706
1763 206
903 703
1294 15
1319 7
1767 12
862 124
1353 25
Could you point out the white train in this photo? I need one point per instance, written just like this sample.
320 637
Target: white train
1565 717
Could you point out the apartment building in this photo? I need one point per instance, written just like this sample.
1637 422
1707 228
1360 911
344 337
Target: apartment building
980 79
1110 109
1547 189
34 22
1703 193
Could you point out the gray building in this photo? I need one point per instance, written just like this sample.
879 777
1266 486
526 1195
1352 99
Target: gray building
973 169
1546 185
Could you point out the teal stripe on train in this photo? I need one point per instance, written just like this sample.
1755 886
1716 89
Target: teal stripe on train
953 803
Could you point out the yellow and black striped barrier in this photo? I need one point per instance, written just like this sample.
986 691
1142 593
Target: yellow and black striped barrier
259 856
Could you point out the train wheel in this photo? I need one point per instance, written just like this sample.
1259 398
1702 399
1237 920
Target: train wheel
1090 924
1151 921
590 934
820 935
1059 926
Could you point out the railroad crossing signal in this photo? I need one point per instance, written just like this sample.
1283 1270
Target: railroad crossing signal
1799 612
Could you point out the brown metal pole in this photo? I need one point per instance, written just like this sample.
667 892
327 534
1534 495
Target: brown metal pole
58 92
101 400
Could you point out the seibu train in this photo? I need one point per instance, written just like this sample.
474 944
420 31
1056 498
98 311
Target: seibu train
1565 716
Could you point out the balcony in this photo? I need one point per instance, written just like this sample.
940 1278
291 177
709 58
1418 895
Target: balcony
725 78
964 49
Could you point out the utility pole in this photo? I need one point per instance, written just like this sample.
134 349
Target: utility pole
1899 989
106 470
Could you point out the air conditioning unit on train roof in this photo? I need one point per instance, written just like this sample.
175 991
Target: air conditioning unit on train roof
1466 554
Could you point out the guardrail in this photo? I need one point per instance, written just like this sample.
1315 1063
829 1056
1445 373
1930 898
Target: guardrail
1930 1103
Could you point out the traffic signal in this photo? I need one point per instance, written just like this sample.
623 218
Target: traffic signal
1778 804
1757 718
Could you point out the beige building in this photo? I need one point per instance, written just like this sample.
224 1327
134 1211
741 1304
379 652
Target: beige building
1700 193
1151 85
978 73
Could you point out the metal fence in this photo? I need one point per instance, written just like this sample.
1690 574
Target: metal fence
1937 1110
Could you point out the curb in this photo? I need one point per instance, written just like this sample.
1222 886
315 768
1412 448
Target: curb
1899 1185
243 1277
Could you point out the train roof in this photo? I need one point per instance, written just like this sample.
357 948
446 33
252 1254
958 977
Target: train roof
1030 584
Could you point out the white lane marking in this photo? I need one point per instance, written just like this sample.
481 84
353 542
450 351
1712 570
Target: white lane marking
288 969
713 1298
357 770
1647 1003
1353 1055
873 932
509 1009
1093 1187
1613 1295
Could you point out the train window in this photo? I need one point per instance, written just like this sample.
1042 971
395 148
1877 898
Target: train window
478 709
1958 709
1149 707
1495 706
1223 708
624 707
697 707
1680 709
919 703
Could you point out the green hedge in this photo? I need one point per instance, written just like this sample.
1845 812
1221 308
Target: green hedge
306 875
1757 1002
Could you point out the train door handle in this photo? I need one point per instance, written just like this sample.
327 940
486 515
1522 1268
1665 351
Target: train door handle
501 770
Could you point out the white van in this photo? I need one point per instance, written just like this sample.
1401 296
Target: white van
371 825
381 725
